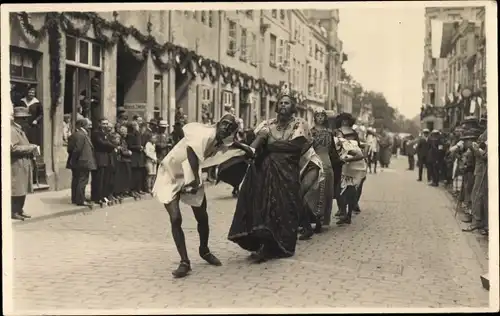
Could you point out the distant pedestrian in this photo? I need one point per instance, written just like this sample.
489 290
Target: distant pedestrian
22 154
423 154
81 160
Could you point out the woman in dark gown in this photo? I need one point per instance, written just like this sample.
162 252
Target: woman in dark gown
34 130
269 203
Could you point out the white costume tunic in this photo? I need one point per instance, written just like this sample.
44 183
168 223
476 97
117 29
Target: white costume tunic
352 172
174 171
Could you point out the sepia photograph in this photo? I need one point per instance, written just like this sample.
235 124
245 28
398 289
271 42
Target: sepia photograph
279 157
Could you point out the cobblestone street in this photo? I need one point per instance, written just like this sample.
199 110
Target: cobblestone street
404 250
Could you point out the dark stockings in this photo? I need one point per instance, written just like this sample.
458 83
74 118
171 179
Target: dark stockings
347 203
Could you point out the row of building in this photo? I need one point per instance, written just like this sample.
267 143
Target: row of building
454 79
150 63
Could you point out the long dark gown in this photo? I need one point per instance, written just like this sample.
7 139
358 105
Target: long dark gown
268 207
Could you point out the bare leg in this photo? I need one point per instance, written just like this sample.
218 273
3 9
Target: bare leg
179 239
201 216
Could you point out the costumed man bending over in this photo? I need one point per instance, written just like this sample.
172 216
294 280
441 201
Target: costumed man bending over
179 178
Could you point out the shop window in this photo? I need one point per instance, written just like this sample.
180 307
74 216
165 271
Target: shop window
158 94
205 105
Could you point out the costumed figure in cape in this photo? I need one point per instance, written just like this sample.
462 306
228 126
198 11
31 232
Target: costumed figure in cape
385 145
179 179
272 201
324 146
354 168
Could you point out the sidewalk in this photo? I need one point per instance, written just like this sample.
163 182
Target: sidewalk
52 204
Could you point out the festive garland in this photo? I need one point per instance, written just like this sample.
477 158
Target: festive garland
55 46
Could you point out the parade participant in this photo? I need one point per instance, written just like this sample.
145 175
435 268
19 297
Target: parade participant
324 146
179 178
353 174
422 149
372 149
348 133
151 162
385 144
22 154
266 219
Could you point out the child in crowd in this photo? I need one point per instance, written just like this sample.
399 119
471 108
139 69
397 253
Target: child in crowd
151 161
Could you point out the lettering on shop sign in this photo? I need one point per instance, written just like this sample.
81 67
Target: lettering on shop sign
135 106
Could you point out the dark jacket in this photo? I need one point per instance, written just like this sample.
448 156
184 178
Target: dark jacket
124 153
80 152
422 148
102 148
134 144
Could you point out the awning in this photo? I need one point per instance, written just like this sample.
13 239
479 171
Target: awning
442 35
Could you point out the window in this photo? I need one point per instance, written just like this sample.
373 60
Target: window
232 36
243 44
320 81
205 104
194 15
325 86
272 50
310 48
294 66
211 15
315 82
83 53
287 52
203 17
320 56
280 52
249 14
227 99
253 49
274 13
316 52
186 14
158 95
22 65
282 15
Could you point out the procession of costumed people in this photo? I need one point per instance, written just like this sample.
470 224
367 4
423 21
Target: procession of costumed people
288 176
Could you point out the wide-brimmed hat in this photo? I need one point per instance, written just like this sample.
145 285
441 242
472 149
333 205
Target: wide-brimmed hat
435 131
163 123
470 134
153 122
20 111
344 117
426 130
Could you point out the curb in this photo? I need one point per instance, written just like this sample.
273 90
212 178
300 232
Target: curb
83 209
77 210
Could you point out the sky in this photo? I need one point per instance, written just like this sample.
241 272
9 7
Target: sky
385 47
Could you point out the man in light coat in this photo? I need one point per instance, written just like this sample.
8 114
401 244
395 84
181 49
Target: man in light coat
22 154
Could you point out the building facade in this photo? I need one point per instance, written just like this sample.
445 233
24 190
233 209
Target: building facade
151 63
448 67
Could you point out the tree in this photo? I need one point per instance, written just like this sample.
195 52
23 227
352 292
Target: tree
384 115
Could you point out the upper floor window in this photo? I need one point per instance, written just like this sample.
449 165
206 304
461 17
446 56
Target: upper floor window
253 49
310 48
203 17
83 53
243 44
282 15
249 14
23 65
281 48
211 15
274 13
272 49
232 36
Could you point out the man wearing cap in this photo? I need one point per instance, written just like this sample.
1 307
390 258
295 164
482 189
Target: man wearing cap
164 142
22 154
179 178
81 160
422 154
434 157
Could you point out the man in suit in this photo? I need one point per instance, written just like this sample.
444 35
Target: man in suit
102 150
422 155
22 154
81 160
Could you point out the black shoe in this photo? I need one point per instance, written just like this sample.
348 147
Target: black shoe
357 210
25 215
308 233
182 270
318 229
210 258
17 217
419 180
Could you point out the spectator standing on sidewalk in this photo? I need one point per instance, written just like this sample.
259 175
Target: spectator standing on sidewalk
100 183
422 155
22 154
151 162
410 152
164 142
81 160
